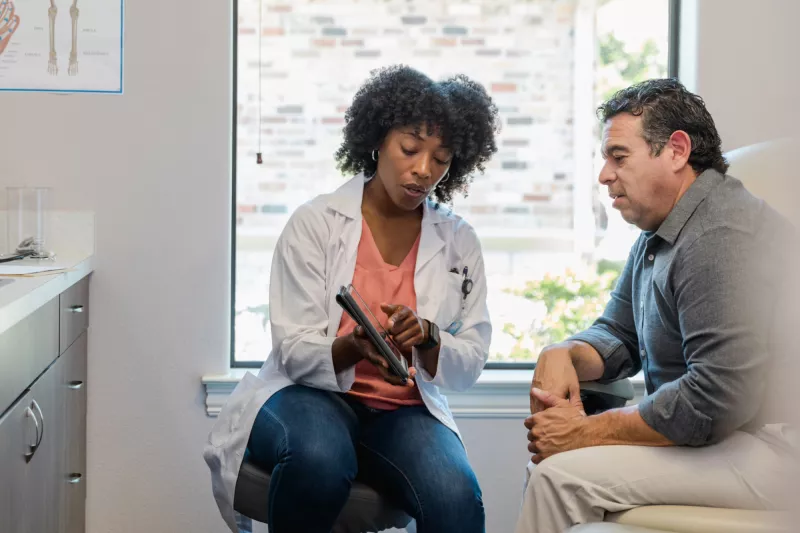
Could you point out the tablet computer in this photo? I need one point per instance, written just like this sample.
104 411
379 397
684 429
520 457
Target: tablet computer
352 303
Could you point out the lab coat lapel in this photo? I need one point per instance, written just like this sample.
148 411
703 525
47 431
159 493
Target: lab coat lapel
429 242
346 200
428 291
346 228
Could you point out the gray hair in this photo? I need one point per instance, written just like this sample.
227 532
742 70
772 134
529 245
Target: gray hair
666 106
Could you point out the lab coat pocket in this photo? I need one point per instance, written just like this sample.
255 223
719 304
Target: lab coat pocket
448 316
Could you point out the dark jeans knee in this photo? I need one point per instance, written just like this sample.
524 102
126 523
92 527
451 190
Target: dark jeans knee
321 467
304 438
452 502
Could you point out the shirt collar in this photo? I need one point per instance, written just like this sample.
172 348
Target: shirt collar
688 203
347 201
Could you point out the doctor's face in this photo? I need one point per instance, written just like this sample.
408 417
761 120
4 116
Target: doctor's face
411 164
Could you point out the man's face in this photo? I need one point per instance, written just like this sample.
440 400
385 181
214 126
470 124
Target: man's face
643 186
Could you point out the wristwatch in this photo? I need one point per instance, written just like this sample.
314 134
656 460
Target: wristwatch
432 337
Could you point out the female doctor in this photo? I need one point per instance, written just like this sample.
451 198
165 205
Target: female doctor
325 407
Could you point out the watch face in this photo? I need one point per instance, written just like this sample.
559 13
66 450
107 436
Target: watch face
434 333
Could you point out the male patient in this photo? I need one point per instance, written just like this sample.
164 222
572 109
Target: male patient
693 308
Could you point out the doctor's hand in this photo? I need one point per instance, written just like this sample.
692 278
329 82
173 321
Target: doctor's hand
405 327
560 427
367 350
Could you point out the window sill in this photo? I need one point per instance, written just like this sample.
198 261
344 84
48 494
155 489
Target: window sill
497 394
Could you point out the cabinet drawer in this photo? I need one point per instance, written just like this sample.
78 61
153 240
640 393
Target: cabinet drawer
73 387
74 391
26 350
74 303
73 512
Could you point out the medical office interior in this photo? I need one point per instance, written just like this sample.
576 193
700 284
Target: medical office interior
165 222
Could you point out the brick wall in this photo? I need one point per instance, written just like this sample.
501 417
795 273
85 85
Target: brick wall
315 54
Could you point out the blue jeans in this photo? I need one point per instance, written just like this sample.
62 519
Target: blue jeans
316 442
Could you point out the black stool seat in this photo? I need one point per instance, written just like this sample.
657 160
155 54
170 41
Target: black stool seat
365 510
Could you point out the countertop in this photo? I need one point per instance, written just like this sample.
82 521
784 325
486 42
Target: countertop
71 238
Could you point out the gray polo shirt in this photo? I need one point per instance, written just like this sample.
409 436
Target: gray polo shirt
693 309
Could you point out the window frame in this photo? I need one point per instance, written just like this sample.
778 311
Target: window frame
673 39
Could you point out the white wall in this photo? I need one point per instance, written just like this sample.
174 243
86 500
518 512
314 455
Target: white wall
154 165
745 66
498 453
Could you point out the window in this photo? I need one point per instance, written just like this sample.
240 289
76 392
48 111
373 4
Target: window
553 247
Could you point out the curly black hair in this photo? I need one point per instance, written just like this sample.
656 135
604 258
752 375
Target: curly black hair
666 106
458 109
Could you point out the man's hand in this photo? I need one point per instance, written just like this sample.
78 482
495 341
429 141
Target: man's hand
405 327
364 346
561 426
555 374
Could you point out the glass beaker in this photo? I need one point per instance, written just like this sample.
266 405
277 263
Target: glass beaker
28 211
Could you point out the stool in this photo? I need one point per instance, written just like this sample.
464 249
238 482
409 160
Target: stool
365 510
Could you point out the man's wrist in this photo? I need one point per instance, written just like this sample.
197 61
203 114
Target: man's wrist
586 360
573 348
595 428
622 426
584 439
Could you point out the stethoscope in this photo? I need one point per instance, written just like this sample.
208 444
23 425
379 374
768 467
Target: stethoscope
15 256
25 249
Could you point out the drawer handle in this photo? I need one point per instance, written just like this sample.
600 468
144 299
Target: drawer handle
75 385
74 479
32 451
41 418
75 309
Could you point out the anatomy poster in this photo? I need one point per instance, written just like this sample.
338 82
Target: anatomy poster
61 45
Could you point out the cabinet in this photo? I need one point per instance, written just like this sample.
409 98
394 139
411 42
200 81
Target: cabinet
43 431
41 487
17 435
73 483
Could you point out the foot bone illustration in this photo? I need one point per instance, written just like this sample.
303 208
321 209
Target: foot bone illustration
73 55
52 64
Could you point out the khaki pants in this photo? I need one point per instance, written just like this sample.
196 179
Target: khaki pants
743 472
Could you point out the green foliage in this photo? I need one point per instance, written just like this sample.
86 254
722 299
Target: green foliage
572 302
632 67
611 50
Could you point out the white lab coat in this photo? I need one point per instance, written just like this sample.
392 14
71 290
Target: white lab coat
314 256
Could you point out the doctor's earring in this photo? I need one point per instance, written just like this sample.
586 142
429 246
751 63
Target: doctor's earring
374 155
